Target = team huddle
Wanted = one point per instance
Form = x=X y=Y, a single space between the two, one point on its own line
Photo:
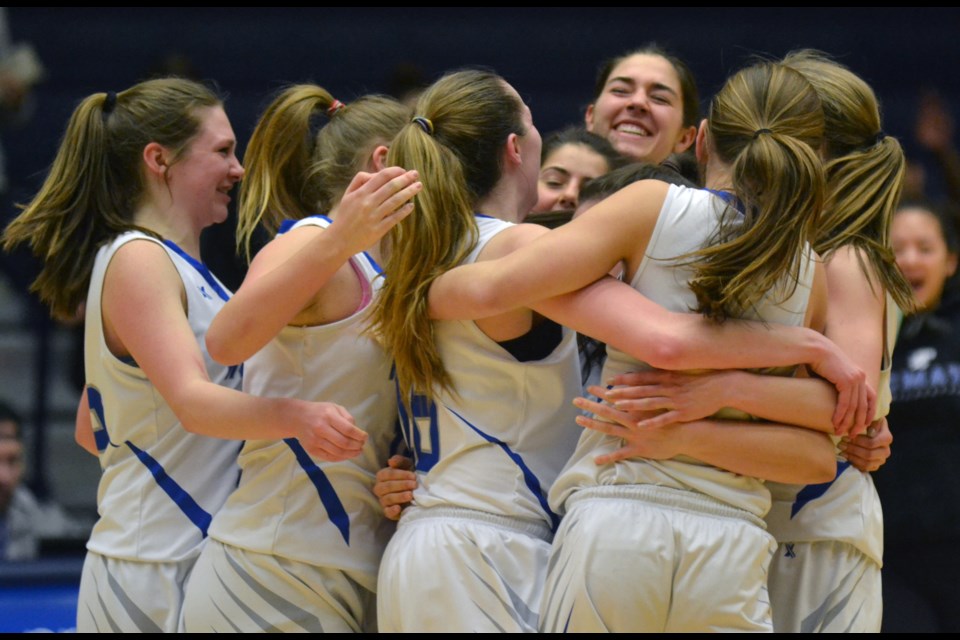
x=392 y=425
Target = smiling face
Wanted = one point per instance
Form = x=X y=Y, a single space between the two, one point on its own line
x=201 y=180
x=922 y=254
x=562 y=175
x=640 y=109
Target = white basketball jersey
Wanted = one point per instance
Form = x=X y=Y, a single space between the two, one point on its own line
x=688 y=219
x=496 y=443
x=161 y=485
x=290 y=504
x=846 y=509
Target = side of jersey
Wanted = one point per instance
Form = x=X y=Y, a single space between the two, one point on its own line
x=289 y=504
x=688 y=219
x=846 y=509
x=497 y=443
x=161 y=485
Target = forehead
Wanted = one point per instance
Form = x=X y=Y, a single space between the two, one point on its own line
x=576 y=158
x=917 y=221
x=644 y=69
x=214 y=124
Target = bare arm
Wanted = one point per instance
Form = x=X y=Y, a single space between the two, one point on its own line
x=83 y=432
x=288 y=273
x=804 y=402
x=550 y=272
x=775 y=452
x=164 y=347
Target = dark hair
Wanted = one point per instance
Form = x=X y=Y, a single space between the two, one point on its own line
x=948 y=227
x=580 y=136
x=688 y=84
x=610 y=183
x=8 y=414
x=551 y=219
x=942 y=213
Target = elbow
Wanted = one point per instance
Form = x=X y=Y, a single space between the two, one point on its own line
x=667 y=352
x=222 y=351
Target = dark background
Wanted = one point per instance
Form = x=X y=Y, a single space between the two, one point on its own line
x=550 y=55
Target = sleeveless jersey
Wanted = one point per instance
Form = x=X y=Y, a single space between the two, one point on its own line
x=846 y=509
x=289 y=504
x=497 y=442
x=688 y=219
x=160 y=485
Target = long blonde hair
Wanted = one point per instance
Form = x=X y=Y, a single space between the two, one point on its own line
x=765 y=123
x=864 y=167
x=456 y=145
x=292 y=172
x=96 y=182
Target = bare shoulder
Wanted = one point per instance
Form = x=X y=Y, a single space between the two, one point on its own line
x=512 y=239
x=282 y=247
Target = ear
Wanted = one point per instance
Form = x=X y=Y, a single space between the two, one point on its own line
x=512 y=150
x=155 y=157
x=687 y=137
x=588 y=118
x=701 y=148
x=378 y=159
x=951 y=264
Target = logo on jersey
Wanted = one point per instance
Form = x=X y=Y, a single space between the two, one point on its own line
x=920 y=359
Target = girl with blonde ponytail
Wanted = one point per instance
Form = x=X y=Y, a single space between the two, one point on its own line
x=297 y=545
x=486 y=402
x=139 y=174
x=738 y=249
x=825 y=575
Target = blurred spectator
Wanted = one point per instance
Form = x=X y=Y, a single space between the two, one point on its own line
x=25 y=523
x=20 y=71
x=919 y=487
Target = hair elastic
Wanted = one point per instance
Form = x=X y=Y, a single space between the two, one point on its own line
x=334 y=107
x=109 y=103
x=879 y=137
x=424 y=124
x=756 y=134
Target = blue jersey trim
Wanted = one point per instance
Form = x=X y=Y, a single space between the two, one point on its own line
x=201 y=269
x=95 y=403
x=531 y=480
x=813 y=491
x=328 y=495
x=200 y=518
x=287 y=224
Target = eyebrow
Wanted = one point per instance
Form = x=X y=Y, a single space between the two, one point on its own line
x=657 y=86
x=557 y=169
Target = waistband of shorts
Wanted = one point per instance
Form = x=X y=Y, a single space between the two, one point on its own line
x=535 y=529
x=667 y=497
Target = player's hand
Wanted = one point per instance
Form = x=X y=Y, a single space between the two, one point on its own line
x=394 y=486
x=671 y=396
x=373 y=203
x=328 y=432
x=654 y=444
x=870 y=451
